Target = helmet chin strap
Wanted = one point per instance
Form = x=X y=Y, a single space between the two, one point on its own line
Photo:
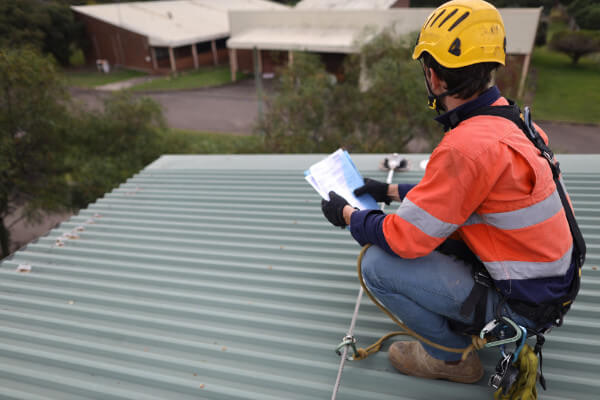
x=435 y=101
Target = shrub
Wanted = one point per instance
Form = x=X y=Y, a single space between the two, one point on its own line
x=576 y=43
x=380 y=106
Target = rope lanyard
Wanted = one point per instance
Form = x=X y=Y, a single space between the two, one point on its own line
x=477 y=342
x=361 y=353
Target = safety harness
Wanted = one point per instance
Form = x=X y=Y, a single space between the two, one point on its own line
x=543 y=315
x=516 y=373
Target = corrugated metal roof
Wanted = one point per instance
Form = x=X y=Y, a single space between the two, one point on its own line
x=174 y=23
x=339 y=31
x=346 y=4
x=217 y=277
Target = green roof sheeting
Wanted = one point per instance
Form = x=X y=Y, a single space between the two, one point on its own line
x=216 y=277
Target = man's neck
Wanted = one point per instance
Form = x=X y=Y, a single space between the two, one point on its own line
x=452 y=102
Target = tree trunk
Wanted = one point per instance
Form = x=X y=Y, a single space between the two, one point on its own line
x=4 y=239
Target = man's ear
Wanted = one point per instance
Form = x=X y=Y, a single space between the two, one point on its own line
x=437 y=85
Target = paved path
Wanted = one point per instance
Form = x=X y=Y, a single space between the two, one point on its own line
x=572 y=138
x=233 y=109
x=228 y=109
x=126 y=84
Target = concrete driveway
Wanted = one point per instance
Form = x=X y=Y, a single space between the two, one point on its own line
x=572 y=138
x=229 y=109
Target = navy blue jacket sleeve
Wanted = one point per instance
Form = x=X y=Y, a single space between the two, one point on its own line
x=366 y=226
x=404 y=188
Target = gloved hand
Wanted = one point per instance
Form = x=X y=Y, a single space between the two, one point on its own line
x=376 y=189
x=333 y=209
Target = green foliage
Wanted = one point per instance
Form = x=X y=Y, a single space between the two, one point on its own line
x=112 y=144
x=33 y=126
x=179 y=141
x=311 y=112
x=586 y=13
x=47 y=25
x=55 y=157
x=576 y=43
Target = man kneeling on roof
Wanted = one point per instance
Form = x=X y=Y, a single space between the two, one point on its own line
x=485 y=185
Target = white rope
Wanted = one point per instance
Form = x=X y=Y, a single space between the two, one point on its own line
x=338 y=379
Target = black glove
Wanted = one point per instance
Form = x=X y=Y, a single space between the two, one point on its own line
x=376 y=189
x=333 y=209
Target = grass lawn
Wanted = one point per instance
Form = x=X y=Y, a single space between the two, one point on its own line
x=179 y=141
x=566 y=92
x=203 y=77
x=90 y=78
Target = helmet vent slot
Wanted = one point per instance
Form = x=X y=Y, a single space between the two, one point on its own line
x=459 y=20
x=448 y=17
x=455 y=47
x=436 y=18
x=429 y=20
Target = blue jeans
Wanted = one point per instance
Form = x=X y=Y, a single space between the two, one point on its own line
x=425 y=293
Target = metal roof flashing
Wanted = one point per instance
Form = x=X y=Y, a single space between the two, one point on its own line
x=217 y=277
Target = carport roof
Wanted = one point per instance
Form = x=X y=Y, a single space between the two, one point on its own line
x=217 y=277
x=341 y=31
x=174 y=23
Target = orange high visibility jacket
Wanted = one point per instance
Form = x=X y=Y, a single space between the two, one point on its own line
x=487 y=183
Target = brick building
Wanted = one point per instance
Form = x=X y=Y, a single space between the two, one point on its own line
x=162 y=36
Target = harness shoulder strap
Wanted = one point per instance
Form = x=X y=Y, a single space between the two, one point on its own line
x=524 y=122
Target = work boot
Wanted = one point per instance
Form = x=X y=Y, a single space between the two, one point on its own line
x=410 y=358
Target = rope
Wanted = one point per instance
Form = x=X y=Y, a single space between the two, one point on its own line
x=338 y=379
x=524 y=388
x=477 y=342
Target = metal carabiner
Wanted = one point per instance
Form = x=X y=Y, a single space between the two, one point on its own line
x=347 y=341
x=492 y=325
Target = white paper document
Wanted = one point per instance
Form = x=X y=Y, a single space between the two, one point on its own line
x=338 y=173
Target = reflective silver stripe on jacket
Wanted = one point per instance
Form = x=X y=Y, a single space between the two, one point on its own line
x=504 y=270
x=426 y=222
x=521 y=218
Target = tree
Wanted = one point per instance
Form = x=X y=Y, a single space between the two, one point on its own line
x=109 y=145
x=586 y=13
x=54 y=157
x=576 y=43
x=379 y=106
x=33 y=126
x=46 y=25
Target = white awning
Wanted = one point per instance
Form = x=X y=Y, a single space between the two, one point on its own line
x=174 y=23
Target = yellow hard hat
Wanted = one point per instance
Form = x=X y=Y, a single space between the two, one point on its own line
x=463 y=32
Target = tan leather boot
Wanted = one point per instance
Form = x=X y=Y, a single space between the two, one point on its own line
x=410 y=358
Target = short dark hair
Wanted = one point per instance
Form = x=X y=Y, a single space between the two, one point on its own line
x=470 y=80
